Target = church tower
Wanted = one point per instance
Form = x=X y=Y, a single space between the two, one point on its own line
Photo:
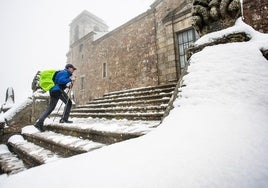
x=85 y=23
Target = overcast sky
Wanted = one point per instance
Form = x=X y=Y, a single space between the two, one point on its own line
x=34 y=35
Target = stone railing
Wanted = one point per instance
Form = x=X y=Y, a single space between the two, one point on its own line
x=19 y=116
x=234 y=37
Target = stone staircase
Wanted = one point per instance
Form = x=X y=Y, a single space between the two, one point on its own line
x=148 y=103
x=115 y=117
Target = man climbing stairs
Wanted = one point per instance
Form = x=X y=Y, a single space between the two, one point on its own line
x=115 y=117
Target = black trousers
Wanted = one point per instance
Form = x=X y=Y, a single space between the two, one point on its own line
x=54 y=98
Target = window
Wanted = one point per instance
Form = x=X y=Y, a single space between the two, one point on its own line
x=81 y=47
x=82 y=79
x=76 y=33
x=185 y=39
x=104 y=70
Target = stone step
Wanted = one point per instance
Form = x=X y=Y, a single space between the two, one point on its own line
x=104 y=131
x=126 y=115
x=141 y=89
x=31 y=154
x=64 y=140
x=137 y=93
x=9 y=162
x=130 y=109
x=115 y=117
x=148 y=103
x=61 y=144
x=142 y=103
x=132 y=98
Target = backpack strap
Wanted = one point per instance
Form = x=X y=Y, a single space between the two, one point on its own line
x=54 y=76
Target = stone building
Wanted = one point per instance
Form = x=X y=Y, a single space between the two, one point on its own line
x=148 y=50
x=83 y=24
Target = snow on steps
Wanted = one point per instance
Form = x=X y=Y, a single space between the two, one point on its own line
x=141 y=89
x=64 y=145
x=9 y=162
x=142 y=103
x=27 y=155
x=64 y=140
x=106 y=134
x=133 y=109
x=155 y=95
x=31 y=154
x=147 y=103
x=129 y=114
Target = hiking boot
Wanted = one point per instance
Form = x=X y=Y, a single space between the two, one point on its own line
x=65 y=121
x=39 y=126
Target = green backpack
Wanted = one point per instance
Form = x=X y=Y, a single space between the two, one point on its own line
x=46 y=79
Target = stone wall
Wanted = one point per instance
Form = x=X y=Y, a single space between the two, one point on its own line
x=256 y=14
x=142 y=52
x=22 y=116
x=85 y=23
x=129 y=55
x=171 y=16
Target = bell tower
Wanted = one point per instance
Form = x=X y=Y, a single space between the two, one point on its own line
x=85 y=23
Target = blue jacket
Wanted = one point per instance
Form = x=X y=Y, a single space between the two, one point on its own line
x=61 y=79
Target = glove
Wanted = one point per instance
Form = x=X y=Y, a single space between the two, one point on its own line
x=69 y=85
x=73 y=78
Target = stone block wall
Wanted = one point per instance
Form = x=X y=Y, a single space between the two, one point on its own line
x=255 y=13
x=171 y=17
x=83 y=24
x=142 y=52
x=128 y=53
x=26 y=115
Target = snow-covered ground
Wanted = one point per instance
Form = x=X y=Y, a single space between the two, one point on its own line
x=216 y=136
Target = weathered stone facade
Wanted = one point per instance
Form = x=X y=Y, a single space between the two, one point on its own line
x=145 y=51
x=85 y=23
x=137 y=54
x=122 y=59
x=256 y=14
x=24 y=115
x=170 y=17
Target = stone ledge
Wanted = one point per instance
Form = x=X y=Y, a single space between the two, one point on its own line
x=55 y=147
x=94 y=135
x=29 y=160
x=235 y=37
